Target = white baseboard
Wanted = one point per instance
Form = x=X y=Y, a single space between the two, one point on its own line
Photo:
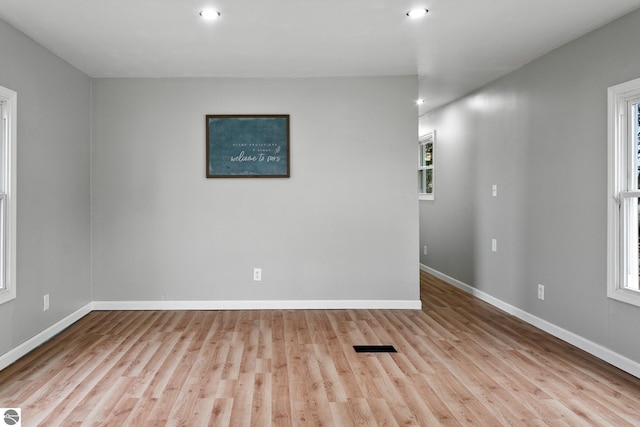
x=44 y=336
x=609 y=356
x=260 y=305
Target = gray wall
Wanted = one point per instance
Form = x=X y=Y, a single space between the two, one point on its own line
x=343 y=227
x=53 y=187
x=540 y=135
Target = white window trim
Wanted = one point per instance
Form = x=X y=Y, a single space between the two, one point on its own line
x=429 y=137
x=10 y=100
x=618 y=134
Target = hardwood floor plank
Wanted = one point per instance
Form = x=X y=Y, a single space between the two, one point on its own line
x=221 y=412
x=361 y=412
x=231 y=367
x=382 y=413
x=300 y=399
x=251 y=335
x=341 y=414
x=104 y=406
x=460 y=361
x=318 y=403
x=332 y=382
x=226 y=389
x=365 y=376
x=338 y=353
x=399 y=392
x=73 y=368
x=436 y=405
x=264 y=337
x=241 y=410
x=281 y=395
x=201 y=414
x=261 y=402
x=409 y=345
x=94 y=373
x=162 y=371
x=139 y=416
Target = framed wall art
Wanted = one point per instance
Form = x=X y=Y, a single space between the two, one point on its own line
x=248 y=146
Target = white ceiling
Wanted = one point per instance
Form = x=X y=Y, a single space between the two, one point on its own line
x=459 y=46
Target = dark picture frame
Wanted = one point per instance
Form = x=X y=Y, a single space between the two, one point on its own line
x=247 y=146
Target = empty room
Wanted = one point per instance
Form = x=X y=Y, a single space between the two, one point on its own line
x=336 y=213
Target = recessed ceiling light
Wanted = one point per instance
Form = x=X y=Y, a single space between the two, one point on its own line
x=417 y=13
x=420 y=102
x=209 y=14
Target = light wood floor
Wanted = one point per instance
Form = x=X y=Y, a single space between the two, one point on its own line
x=459 y=362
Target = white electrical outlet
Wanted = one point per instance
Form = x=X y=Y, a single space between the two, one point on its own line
x=257 y=274
x=494 y=245
x=424 y=250
x=494 y=191
x=541 y=292
x=45 y=302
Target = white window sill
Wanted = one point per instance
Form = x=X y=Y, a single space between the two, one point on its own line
x=625 y=295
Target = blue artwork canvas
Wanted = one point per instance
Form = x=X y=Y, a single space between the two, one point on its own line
x=248 y=146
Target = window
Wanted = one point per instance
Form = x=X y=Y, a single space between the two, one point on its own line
x=425 y=166
x=623 y=192
x=8 y=129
